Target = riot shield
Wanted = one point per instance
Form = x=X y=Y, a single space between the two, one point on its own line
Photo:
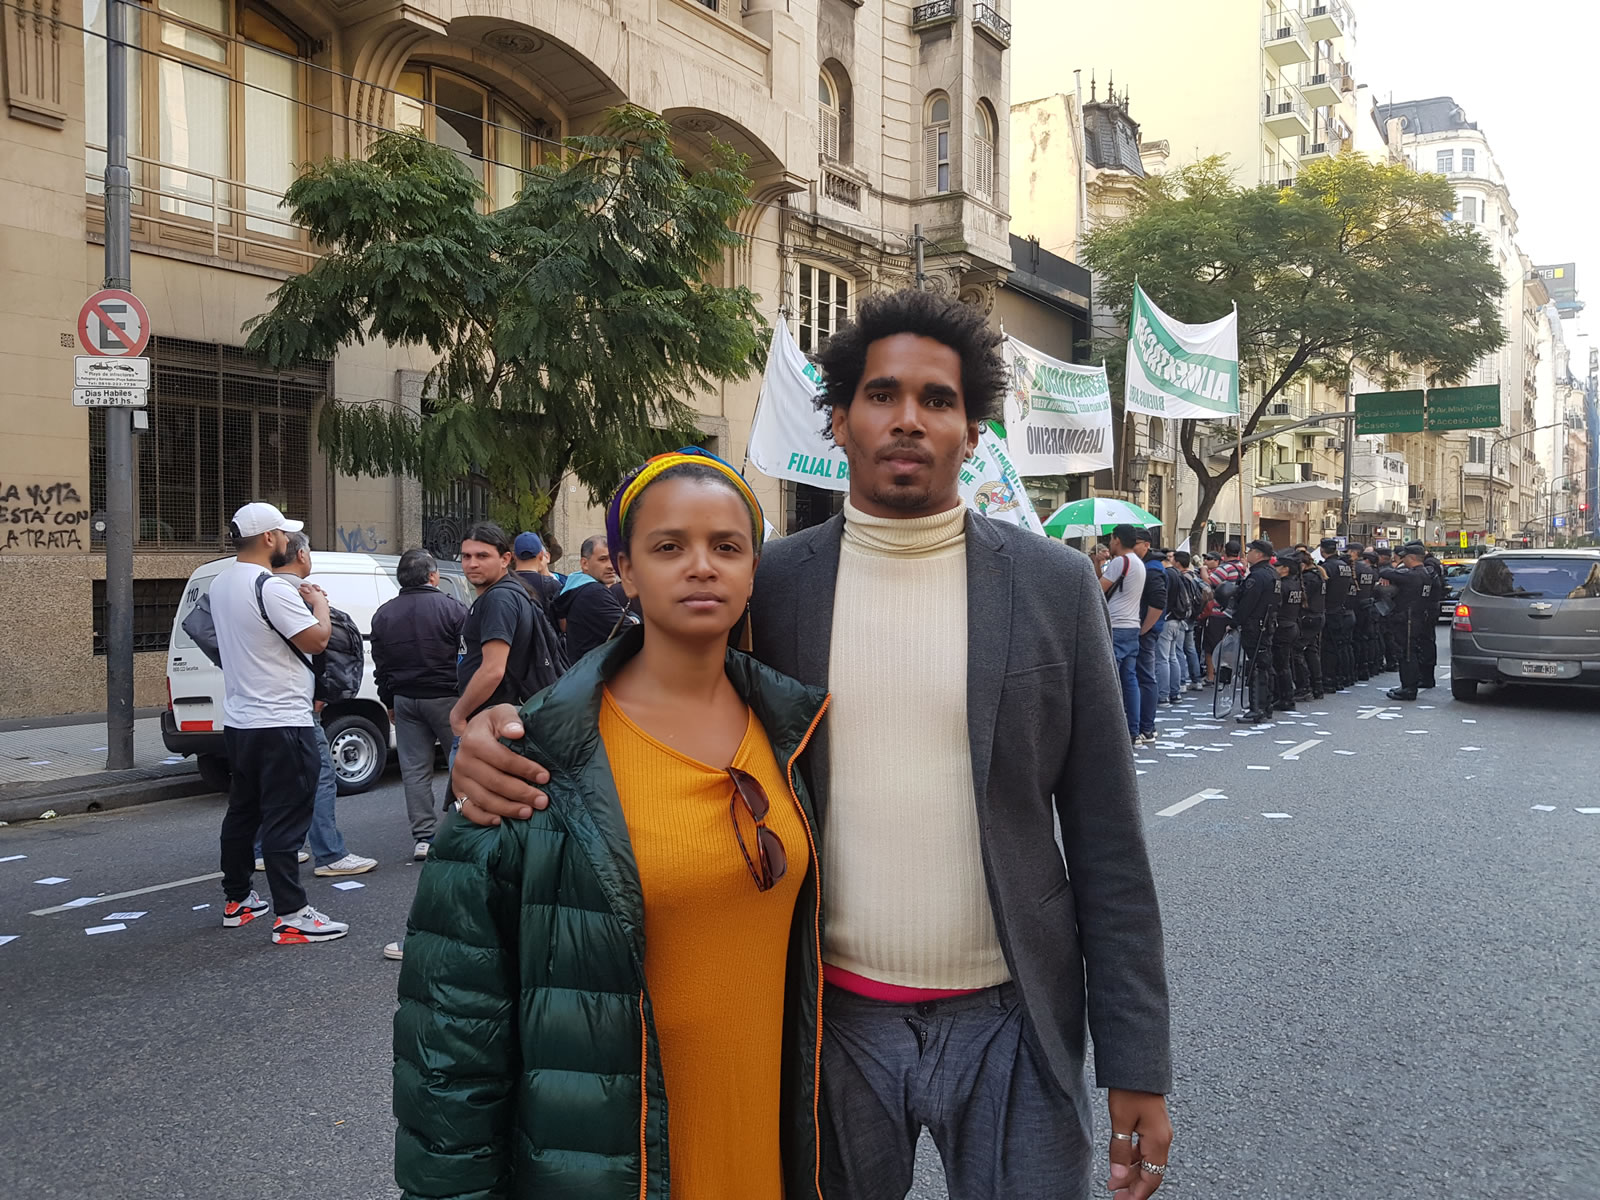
x=1231 y=683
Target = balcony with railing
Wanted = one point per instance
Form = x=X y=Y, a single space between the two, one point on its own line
x=1328 y=19
x=1284 y=37
x=1333 y=139
x=1285 y=112
x=989 y=23
x=933 y=14
x=180 y=208
x=1285 y=410
x=1325 y=84
x=840 y=185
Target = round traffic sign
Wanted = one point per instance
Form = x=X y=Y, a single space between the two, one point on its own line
x=114 y=324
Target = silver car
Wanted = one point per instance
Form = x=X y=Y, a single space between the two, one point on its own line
x=1527 y=616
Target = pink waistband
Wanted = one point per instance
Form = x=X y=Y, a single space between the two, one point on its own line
x=888 y=993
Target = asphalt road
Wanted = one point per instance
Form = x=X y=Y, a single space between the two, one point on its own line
x=1392 y=990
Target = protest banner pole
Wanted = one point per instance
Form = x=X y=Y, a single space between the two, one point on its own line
x=1243 y=529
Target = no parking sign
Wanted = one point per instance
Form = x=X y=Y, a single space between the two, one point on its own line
x=114 y=324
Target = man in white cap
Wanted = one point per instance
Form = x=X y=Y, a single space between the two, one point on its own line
x=267 y=632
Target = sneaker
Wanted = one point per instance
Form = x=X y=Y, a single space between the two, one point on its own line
x=350 y=864
x=241 y=912
x=305 y=856
x=306 y=926
x=1147 y=739
x=395 y=951
x=420 y=853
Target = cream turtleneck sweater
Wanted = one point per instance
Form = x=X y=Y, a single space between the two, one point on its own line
x=905 y=901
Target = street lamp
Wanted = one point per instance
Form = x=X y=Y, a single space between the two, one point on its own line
x=1550 y=503
x=1489 y=464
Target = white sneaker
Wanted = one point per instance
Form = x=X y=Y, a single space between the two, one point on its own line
x=241 y=912
x=350 y=864
x=395 y=951
x=420 y=854
x=305 y=856
x=306 y=926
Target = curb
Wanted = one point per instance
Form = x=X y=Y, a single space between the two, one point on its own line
x=92 y=794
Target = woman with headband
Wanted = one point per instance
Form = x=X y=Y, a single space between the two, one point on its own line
x=621 y=996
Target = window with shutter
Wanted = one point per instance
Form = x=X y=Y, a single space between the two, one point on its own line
x=930 y=159
x=936 y=145
x=983 y=167
x=827 y=117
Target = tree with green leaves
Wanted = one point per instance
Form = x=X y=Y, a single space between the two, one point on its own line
x=570 y=327
x=1355 y=264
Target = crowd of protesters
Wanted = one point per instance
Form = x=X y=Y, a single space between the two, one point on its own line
x=1309 y=622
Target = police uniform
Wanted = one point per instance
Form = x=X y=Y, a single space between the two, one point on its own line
x=1313 y=622
x=1286 y=636
x=1363 y=595
x=1255 y=617
x=1430 y=645
x=1391 y=613
x=1338 y=635
x=1415 y=607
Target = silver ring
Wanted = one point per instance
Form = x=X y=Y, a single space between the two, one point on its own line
x=1153 y=1168
x=1122 y=1137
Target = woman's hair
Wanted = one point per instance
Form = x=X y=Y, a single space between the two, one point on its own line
x=686 y=470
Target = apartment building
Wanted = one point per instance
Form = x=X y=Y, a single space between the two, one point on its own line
x=860 y=123
x=1485 y=483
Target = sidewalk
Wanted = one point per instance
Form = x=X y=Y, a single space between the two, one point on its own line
x=59 y=764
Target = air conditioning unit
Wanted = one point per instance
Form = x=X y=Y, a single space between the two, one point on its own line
x=1330 y=523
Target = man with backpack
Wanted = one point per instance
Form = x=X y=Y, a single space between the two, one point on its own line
x=266 y=629
x=339 y=670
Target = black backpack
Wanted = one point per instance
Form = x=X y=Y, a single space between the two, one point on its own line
x=339 y=669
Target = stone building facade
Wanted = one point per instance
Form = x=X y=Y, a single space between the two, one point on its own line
x=229 y=95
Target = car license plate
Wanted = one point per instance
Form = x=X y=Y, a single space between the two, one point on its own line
x=1541 y=668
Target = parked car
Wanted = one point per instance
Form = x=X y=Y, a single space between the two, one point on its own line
x=1527 y=616
x=359 y=733
x=1456 y=573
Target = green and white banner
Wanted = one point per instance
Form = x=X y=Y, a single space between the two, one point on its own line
x=1181 y=371
x=1058 y=415
x=786 y=438
x=991 y=485
x=787 y=442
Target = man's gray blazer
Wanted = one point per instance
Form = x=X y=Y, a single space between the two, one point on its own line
x=1049 y=740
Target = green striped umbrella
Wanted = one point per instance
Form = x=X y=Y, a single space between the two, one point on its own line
x=1097 y=515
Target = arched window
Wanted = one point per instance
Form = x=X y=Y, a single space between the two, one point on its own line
x=936 y=144
x=828 y=116
x=217 y=105
x=984 y=142
x=493 y=140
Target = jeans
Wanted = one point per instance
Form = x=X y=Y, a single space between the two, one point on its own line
x=1125 y=646
x=327 y=843
x=968 y=1069
x=418 y=725
x=1169 y=663
x=274 y=782
x=1149 y=687
x=1191 y=652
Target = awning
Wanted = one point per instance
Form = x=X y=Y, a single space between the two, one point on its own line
x=1303 y=492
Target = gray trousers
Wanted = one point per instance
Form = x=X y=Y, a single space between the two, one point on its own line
x=418 y=724
x=969 y=1070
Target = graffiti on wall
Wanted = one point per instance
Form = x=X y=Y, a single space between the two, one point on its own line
x=42 y=516
x=361 y=539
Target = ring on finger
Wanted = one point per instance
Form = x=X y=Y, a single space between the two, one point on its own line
x=1122 y=1137
x=1156 y=1169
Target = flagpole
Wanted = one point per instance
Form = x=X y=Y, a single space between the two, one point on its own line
x=1238 y=402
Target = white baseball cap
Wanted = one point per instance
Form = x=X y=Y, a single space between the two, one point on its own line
x=259 y=517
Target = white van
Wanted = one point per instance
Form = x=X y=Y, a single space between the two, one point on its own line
x=358 y=729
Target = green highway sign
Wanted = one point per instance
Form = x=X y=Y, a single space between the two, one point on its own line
x=1464 y=408
x=1391 y=412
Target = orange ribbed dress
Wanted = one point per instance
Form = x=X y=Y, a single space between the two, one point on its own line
x=715 y=953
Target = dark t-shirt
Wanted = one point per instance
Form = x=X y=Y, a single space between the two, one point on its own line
x=543 y=588
x=503 y=613
x=591 y=612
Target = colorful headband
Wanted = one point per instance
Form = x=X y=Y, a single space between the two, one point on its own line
x=643 y=476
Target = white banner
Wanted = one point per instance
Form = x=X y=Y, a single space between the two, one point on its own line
x=991 y=485
x=1180 y=371
x=786 y=438
x=1058 y=415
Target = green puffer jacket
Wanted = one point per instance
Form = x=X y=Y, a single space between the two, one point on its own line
x=525 y=1054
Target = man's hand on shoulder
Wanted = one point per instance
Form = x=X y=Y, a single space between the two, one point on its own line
x=492 y=781
x=1141 y=1132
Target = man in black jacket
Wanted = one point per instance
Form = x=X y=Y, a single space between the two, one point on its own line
x=1313 y=621
x=1286 y=634
x=1338 y=646
x=1256 y=618
x=588 y=613
x=1430 y=644
x=1369 y=652
x=414 y=641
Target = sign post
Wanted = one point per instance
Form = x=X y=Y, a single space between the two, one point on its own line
x=114 y=337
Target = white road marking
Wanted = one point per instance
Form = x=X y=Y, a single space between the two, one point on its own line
x=1469 y=749
x=12 y=857
x=160 y=887
x=51 y=880
x=1544 y=808
x=349 y=885
x=127 y=916
x=1324 y=733
x=8 y=937
x=117 y=928
x=1469 y=720
x=1295 y=752
x=1254 y=767
x=1277 y=816
x=1186 y=805
x=1344 y=751
x=1369 y=711
x=1589 y=811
